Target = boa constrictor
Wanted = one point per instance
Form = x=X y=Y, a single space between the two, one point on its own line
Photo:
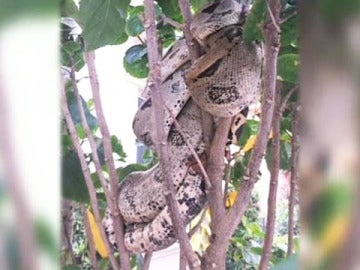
x=223 y=81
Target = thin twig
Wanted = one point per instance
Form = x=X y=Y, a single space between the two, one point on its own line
x=170 y=21
x=192 y=150
x=294 y=177
x=193 y=45
x=87 y=175
x=272 y=44
x=109 y=160
x=287 y=97
x=274 y=178
x=194 y=229
x=154 y=81
x=89 y=135
x=147 y=260
x=275 y=23
x=90 y=237
x=140 y=39
x=287 y=17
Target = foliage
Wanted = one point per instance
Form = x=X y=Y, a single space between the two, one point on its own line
x=94 y=24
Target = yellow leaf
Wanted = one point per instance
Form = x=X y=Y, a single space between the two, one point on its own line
x=98 y=240
x=231 y=198
x=251 y=141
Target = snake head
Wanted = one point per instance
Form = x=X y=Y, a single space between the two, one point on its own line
x=217 y=15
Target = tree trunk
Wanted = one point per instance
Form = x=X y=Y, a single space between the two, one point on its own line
x=215 y=257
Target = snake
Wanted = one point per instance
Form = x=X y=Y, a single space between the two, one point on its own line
x=223 y=81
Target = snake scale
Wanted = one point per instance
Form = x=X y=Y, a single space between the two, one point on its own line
x=223 y=81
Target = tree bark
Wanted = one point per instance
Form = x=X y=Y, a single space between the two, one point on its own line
x=215 y=257
x=154 y=81
x=294 y=177
x=274 y=177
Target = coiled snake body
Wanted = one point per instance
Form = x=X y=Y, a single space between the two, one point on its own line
x=223 y=81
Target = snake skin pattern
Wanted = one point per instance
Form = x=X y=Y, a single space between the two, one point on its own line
x=223 y=81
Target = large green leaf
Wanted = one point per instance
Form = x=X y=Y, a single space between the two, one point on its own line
x=103 y=21
x=167 y=35
x=290 y=31
x=69 y=9
x=134 y=26
x=170 y=8
x=288 y=67
x=136 y=61
x=252 y=27
x=73 y=184
x=72 y=54
x=285 y=155
x=74 y=111
x=118 y=148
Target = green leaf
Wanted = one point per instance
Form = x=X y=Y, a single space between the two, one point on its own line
x=117 y=147
x=66 y=142
x=74 y=111
x=167 y=35
x=73 y=184
x=103 y=21
x=170 y=8
x=136 y=61
x=291 y=263
x=121 y=39
x=252 y=27
x=124 y=171
x=73 y=49
x=198 y=4
x=134 y=26
x=69 y=9
x=290 y=31
x=288 y=66
x=285 y=155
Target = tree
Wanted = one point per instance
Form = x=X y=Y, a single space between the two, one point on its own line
x=110 y=22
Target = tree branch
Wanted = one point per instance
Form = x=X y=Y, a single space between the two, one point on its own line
x=87 y=174
x=272 y=45
x=108 y=152
x=294 y=176
x=193 y=45
x=147 y=260
x=198 y=224
x=89 y=135
x=195 y=52
x=274 y=177
x=287 y=97
x=154 y=81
